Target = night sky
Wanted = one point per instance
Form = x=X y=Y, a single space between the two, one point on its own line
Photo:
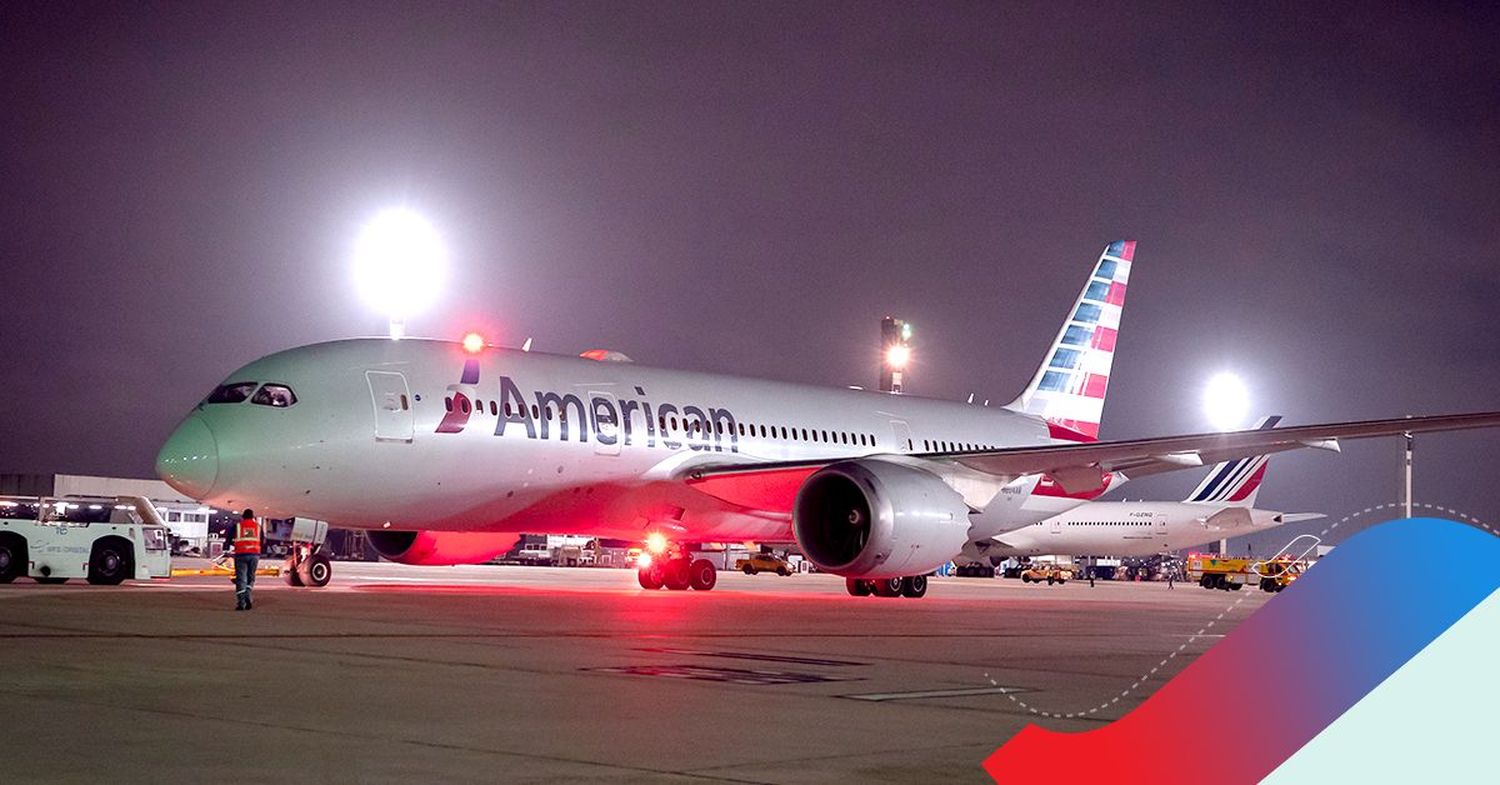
x=750 y=187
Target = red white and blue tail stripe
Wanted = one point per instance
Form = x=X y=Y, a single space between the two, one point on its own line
x=1235 y=482
x=1068 y=389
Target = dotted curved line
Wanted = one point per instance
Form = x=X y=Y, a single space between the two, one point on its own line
x=1195 y=636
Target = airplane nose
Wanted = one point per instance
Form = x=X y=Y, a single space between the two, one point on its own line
x=189 y=461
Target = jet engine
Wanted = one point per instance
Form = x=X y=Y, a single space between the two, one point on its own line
x=878 y=519
x=430 y=547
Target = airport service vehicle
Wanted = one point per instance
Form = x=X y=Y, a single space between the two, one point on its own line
x=443 y=450
x=1231 y=574
x=104 y=540
x=1222 y=506
x=1050 y=573
x=763 y=562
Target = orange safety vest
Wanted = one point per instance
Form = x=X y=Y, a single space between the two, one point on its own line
x=247 y=536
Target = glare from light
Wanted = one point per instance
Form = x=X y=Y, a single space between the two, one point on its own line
x=473 y=342
x=656 y=542
x=898 y=356
x=399 y=264
x=1226 y=401
x=643 y=561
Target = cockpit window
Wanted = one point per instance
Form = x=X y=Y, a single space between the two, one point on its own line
x=279 y=396
x=234 y=392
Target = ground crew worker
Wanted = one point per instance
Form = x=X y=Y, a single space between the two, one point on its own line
x=245 y=544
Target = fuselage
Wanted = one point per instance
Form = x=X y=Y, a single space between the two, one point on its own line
x=420 y=434
x=1132 y=529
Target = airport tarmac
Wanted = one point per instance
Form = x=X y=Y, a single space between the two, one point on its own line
x=527 y=674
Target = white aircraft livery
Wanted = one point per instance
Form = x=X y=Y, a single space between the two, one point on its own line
x=443 y=450
x=1222 y=506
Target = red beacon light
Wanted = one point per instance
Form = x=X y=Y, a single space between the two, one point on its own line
x=473 y=343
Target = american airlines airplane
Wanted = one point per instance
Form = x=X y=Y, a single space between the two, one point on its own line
x=1222 y=506
x=443 y=450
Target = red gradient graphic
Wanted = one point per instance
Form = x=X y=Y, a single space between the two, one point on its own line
x=1284 y=674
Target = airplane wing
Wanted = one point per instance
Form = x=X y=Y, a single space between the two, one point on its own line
x=774 y=485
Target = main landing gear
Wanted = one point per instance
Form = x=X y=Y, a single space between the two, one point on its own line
x=676 y=571
x=911 y=586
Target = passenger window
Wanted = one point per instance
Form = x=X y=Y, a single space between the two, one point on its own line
x=494 y=410
x=447 y=404
x=405 y=404
x=234 y=392
x=536 y=413
x=463 y=405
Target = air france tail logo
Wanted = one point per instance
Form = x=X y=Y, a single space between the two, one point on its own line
x=602 y=418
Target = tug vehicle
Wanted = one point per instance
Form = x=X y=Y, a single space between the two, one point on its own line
x=102 y=539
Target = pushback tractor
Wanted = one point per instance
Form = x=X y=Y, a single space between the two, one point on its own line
x=102 y=539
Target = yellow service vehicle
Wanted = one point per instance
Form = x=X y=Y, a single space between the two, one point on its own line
x=1231 y=574
x=1051 y=573
x=763 y=562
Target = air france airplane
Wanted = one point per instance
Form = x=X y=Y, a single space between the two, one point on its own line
x=1222 y=506
x=443 y=450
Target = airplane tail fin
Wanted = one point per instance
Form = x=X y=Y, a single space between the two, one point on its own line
x=1235 y=483
x=1068 y=389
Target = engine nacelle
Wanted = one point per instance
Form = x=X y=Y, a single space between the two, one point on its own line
x=430 y=547
x=878 y=519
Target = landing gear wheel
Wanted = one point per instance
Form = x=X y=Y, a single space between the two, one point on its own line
x=315 y=571
x=649 y=577
x=914 y=587
x=109 y=564
x=888 y=587
x=857 y=587
x=675 y=575
x=702 y=576
x=12 y=559
x=291 y=573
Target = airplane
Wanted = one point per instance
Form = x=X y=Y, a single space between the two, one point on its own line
x=1222 y=506
x=881 y=489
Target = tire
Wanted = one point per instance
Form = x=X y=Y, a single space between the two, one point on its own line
x=1236 y=586
x=749 y=570
x=888 y=587
x=316 y=571
x=1050 y=581
x=648 y=578
x=702 y=576
x=52 y=581
x=783 y=572
x=675 y=575
x=110 y=563
x=1025 y=578
x=12 y=558
x=914 y=587
x=857 y=587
